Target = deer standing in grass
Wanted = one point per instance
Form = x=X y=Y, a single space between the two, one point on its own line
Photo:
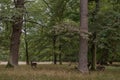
x=100 y=68
x=33 y=64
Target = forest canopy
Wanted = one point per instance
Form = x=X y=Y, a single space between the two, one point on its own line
x=49 y=30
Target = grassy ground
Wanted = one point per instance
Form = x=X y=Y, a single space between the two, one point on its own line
x=56 y=72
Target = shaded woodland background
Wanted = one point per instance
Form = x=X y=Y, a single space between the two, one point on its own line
x=50 y=30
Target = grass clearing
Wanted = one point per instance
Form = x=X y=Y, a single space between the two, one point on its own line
x=56 y=72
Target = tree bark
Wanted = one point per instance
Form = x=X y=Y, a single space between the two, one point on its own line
x=26 y=47
x=60 y=55
x=93 y=51
x=16 y=33
x=82 y=66
x=94 y=48
x=54 y=49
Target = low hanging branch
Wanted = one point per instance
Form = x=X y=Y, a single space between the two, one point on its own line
x=70 y=28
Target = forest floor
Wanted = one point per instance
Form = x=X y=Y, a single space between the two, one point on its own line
x=56 y=72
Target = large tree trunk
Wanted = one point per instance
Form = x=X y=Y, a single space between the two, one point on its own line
x=16 y=33
x=82 y=66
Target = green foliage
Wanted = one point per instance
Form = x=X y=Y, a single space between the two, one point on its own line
x=107 y=25
x=45 y=19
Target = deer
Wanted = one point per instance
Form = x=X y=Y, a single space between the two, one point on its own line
x=100 y=68
x=33 y=64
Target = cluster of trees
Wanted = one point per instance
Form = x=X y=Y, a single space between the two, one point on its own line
x=49 y=30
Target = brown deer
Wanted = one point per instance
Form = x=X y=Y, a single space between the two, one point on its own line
x=33 y=64
x=100 y=68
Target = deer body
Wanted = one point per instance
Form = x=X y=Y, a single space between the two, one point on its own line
x=33 y=64
x=100 y=68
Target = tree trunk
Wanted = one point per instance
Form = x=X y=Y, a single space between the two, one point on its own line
x=55 y=58
x=82 y=66
x=60 y=58
x=26 y=47
x=60 y=55
x=94 y=48
x=54 y=48
x=16 y=33
x=93 y=51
